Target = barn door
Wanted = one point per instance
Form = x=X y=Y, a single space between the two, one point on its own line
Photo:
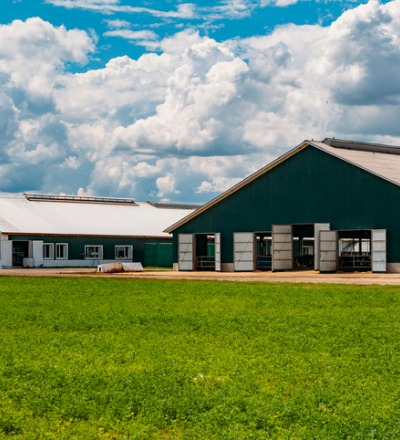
x=185 y=252
x=217 y=243
x=243 y=251
x=378 y=251
x=6 y=253
x=318 y=227
x=282 y=247
x=37 y=253
x=328 y=251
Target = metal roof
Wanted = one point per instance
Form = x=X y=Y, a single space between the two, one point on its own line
x=19 y=215
x=381 y=160
x=378 y=159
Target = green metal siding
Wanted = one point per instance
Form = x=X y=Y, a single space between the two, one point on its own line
x=309 y=187
x=76 y=244
x=158 y=254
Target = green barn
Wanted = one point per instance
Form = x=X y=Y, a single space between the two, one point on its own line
x=331 y=206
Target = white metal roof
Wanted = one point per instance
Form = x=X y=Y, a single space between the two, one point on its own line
x=385 y=165
x=138 y=219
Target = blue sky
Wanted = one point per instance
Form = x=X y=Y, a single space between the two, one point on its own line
x=178 y=100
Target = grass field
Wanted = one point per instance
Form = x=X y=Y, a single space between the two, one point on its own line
x=139 y=359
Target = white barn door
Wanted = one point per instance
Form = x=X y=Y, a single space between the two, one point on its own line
x=378 y=251
x=217 y=244
x=317 y=228
x=243 y=251
x=328 y=250
x=282 y=247
x=37 y=253
x=185 y=252
x=6 y=253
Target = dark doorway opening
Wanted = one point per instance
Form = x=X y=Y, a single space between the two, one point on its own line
x=303 y=246
x=355 y=250
x=205 y=251
x=20 y=250
x=263 y=250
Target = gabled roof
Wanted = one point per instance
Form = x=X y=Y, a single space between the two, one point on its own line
x=378 y=159
x=33 y=214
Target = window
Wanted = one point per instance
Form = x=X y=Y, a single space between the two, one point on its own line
x=48 y=251
x=93 y=252
x=61 y=251
x=123 y=252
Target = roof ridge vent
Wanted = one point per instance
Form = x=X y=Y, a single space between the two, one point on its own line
x=34 y=197
x=362 y=146
x=167 y=205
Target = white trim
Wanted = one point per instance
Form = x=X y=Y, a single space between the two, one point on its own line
x=51 y=253
x=94 y=254
x=64 y=246
x=127 y=255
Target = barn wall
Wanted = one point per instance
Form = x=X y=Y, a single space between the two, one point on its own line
x=76 y=245
x=310 y=187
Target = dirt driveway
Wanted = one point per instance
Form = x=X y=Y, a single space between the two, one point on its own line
x=308 y=276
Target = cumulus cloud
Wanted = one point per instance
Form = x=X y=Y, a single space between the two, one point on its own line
x=189 y=121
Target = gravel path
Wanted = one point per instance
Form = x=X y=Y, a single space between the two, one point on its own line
x=308 y=276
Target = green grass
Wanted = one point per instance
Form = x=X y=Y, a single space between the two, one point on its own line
x=96 y=358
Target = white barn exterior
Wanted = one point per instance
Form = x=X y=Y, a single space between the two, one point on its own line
x=71 y=231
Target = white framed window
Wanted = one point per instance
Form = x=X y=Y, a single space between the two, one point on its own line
x=48 y=251
x=123 y=252
x=61 y=251
x=93 y=252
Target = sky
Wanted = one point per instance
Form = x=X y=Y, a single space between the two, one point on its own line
x=176 y=101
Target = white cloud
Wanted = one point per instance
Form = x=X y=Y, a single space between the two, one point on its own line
x=279 y=3
x=132 y=35
x=33 y=53
x=183 y=11
x=189 y=122
x=232 y=9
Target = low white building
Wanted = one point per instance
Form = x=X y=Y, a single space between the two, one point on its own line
x=38 y=230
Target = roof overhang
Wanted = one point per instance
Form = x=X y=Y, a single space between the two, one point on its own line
x=99 y=236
